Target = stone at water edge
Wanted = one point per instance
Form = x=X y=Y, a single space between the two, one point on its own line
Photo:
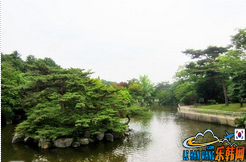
x=28 y=139
x=44 y=144
x=128 y=129
x=91 y=140
x=83 y=141
x=109 y=137
x=17 y=138
x=127 y=133
x=100 y=136
x=76 y=144
x=118 y=135
x=63 y=142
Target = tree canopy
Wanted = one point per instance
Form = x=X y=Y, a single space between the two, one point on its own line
x=58 y=102
x=214 y=71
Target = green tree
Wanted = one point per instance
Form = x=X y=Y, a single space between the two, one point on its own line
x=209 y=89
x=185 y=92
x=11 y=77
x=163 y=91
x=134 y=87
x=30 y=59
x=234 y=64
x=147 y=87
x=207 y=65
x=66 y=102
x=239 y=39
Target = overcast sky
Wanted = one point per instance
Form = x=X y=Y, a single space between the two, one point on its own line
x=119 y=39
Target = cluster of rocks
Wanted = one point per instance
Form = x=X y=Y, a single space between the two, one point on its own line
x=70 y=142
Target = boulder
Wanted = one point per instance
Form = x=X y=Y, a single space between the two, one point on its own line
x=44 y=144
x=83 y=141
x=117 y=135
x=109 y=137
x=100 y=136
x=127 y=133
x=17 y=138
x=63 y=142
x=91 y=140
x=76 y=144
x=47 y=145
x=127 y=129
x=28 y=139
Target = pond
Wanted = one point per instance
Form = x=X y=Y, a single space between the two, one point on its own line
x=157 y=139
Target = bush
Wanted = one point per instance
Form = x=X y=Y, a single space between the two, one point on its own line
x=140 y=111
x=212 y=102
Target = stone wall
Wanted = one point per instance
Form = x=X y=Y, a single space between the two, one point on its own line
x=226 y=118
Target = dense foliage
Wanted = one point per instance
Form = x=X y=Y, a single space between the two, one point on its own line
x=61 y=102
x=12 y=68
x=217 y=74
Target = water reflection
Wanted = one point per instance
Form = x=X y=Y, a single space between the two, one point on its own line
x=157 y=139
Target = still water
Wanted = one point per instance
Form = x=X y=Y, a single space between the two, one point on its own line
x=158 y=139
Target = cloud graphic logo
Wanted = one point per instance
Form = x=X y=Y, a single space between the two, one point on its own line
x=190 y=142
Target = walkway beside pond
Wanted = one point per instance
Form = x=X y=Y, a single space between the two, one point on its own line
x=212 y=116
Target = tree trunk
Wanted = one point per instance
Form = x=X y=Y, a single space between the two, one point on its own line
x=224 y=90
x=62 y=106
x=128 y=121
x=241 y=102
x=61 y=103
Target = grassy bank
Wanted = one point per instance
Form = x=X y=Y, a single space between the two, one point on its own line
x=235 y=107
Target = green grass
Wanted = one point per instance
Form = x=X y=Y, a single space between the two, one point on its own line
x=235 y=107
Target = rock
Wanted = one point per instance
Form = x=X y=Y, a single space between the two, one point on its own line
x=100 y=136
x=17 y=138
x=63 y=142
x=91 y=140
x=109 y=137
x=44 y=144
x=76 y=144
x=35 y=140
x=28 y=139
x=9 y=122
x=47 y=145
x=87 y=134
x=127 y=129
x=117 y=135
x=83 y=141
x=127 y=133
x=41 y=141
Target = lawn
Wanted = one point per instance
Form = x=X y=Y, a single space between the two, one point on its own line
x=235 y=107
